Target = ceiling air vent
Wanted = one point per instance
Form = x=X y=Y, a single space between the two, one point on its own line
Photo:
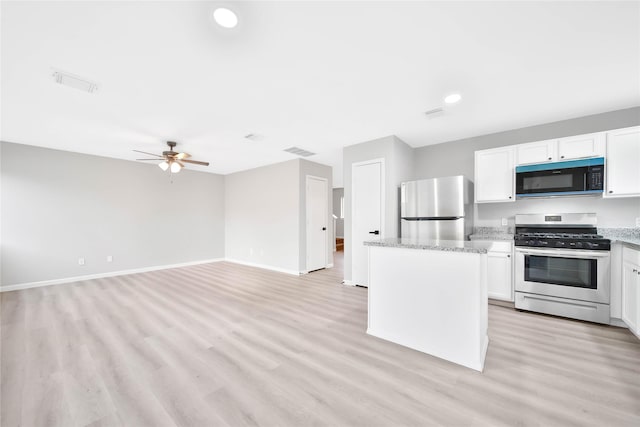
x=436 y=112
x=76 y=82
x=299 y=152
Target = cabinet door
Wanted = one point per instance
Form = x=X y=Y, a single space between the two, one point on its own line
x=581 y=146
x=536 y=152
x=499 y=279
x=631 y=296
x=623 y=158
x=494 y=175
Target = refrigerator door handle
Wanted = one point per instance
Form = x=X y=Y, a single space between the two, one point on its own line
x=376 y=232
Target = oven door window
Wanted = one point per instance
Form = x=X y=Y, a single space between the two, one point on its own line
x=576 y=272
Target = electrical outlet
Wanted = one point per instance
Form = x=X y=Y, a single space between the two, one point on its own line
x=109 y=258
x=504 y=221
x=80 y=261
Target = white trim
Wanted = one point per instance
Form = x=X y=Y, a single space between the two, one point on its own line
x=330 y=265
x=264 y=266
x=348 y=282
x=103 y=275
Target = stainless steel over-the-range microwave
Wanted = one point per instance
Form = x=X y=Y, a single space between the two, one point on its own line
x=570 y=178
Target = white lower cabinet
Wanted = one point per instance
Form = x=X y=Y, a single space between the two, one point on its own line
x=500 y=271
x=631 y=289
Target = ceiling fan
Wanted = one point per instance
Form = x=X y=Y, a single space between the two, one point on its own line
x=172 y=160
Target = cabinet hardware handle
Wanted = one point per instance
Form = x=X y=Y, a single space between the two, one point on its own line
x=610 y=191
x=509 y=196
x=635 y=270
x=549 y=158
x=508 y=256
x=562 y=157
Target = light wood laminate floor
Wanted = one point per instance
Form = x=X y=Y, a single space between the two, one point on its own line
x=224 y=344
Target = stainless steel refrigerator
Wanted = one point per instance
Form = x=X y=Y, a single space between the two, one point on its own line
x=437 y=208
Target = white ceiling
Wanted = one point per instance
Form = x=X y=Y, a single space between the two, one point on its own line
x=316 y=75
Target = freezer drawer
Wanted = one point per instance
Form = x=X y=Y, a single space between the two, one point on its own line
x=453 y=229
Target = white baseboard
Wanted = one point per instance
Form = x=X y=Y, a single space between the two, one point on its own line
x=348 y=282
x=264 y=266
x=618 y=322
x=330 y=265
x=28 y=285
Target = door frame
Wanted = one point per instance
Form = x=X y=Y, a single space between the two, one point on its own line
x=306 y=218
x=383 y=192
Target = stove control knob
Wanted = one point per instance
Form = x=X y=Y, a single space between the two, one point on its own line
x=588 y=245
x=579 y=244
x=561 y=244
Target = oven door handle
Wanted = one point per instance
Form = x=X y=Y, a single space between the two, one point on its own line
x=571 y=253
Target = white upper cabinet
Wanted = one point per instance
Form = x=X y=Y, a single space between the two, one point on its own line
x=559 y=150
x=623 y=163
x=536 y=152
x=582 y=146
x=494 y=176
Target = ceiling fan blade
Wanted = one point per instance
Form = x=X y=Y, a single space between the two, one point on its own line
x=195 y=162
x=155 y=160
x=151 y=154
x=181 y=156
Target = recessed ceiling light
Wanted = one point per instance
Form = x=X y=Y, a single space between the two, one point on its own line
x=225 y=17
x=453 y=98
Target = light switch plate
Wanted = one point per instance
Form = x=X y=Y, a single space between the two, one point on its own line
x=109 y=258
x=80 y=261
x=504 y=221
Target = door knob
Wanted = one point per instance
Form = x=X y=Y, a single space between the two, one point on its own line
x=376 y=232
x=324 y=228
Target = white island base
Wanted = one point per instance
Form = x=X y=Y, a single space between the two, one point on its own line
x=431 y=300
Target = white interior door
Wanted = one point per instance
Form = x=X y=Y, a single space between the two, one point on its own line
x=367 y=195
x=317 y=222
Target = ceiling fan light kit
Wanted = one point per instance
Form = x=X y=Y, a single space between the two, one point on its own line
x=171 y=160
x=175 y=167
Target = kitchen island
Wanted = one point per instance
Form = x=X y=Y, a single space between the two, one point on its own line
x=430 y=295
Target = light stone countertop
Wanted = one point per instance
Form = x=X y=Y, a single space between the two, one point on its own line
x=478 y=247
x=629 y=236
x=494 y=237
x=492 y=233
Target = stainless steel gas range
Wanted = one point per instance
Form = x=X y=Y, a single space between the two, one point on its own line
x=562 y=266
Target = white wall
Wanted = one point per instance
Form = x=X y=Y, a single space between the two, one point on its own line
x=59 y=206
x=262 y=211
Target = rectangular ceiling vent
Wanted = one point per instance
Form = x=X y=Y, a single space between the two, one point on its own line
x=76 y=82
x=299 y=152
x=436 y=112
